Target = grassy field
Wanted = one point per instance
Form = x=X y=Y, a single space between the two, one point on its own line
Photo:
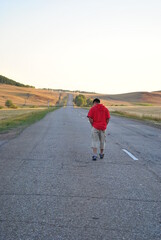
x=11 y=113
x=153 y=111
x=150 y=114
x=11 y=119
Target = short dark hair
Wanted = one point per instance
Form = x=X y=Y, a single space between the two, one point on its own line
x=96 y=100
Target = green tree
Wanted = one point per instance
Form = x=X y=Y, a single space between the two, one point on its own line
x=80 y=100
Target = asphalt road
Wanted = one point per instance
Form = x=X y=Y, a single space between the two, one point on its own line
x=50 y=189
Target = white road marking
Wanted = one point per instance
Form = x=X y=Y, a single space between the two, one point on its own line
x=130 y=154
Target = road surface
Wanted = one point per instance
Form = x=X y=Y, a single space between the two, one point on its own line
x=50 y=189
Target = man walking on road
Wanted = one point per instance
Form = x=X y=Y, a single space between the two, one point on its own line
x=99 y=118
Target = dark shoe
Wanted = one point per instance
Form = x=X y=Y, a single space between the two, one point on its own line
x=101 y=156
x=94 y=158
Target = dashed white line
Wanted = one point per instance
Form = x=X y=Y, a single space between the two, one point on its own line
x=130 y=154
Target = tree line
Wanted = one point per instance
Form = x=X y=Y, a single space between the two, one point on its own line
x=5 y=80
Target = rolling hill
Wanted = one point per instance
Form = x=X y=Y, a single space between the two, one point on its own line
x=25 y=96
x=133 y=98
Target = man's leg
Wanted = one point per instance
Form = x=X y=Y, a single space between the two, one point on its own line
x=101 y=151
x=95 y=141
x=95 y=151
x=102 y=143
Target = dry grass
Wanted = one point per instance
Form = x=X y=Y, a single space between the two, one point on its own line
x=149 y=111
x=151 y=115
x=21 y=96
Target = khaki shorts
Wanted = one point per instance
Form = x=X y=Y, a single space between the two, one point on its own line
x=98 y=138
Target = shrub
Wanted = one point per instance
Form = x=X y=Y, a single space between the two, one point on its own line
x=33 y=106
x=14 y=106
x=10 y=104
x=89 y=102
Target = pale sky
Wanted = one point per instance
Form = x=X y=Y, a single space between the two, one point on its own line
x=105 y=46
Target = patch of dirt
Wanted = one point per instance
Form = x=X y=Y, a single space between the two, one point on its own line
x=10 y=134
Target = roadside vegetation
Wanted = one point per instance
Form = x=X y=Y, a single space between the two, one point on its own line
x=81 y=101
x=21 y=118
x=62 y=101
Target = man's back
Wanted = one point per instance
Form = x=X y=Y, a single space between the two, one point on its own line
x=99 y=113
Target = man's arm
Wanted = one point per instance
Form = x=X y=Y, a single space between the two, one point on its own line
x=90 y=120
x=107 y=120
x=107 y=116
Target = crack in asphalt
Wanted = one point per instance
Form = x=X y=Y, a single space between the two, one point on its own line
x=83 y=197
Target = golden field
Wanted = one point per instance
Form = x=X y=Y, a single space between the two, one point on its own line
x=147 y=111
x=32 y=104
x=22 y=96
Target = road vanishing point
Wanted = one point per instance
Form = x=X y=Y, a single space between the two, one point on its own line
x=50 y=189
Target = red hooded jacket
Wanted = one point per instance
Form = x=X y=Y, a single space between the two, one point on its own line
x=99 y=113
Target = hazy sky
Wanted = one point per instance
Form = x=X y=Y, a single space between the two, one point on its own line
x=106 y=46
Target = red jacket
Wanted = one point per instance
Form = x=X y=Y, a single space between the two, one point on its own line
x=99 y=113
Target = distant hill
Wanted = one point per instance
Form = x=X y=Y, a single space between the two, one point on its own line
x=133 y=98
x=137 y=97
x=5 y=80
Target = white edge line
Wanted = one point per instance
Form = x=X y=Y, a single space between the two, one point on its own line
x=130 y=154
